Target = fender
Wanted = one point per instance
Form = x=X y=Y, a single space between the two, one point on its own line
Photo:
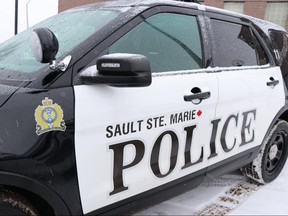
x=23 y=182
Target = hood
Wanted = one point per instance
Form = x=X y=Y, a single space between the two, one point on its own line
x=6 y=92
x=8 y=88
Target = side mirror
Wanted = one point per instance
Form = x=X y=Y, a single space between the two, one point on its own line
x=120 y=70
x=44 y=45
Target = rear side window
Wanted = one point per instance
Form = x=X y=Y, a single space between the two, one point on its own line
x=261 y=54
x=171 y=42
x=281 y=41
x=236 y=45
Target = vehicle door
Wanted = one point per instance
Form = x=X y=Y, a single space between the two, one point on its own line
x=130 y=140
x=251 y=90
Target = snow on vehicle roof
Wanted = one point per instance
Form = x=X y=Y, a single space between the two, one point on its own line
x=132 y=3
x=264 y=25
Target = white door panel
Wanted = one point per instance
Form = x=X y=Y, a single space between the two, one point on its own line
x=251 y=104
x=123 y=136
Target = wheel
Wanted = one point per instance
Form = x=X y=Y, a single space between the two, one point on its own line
x=272 y=156
x=12 y=203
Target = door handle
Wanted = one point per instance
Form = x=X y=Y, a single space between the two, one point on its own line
x=272 y=82
x=200 y=95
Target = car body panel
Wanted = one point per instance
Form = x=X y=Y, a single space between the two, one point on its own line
x=112 y=147
x=138 y=119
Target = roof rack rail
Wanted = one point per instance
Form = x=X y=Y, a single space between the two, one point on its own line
x=195 y=1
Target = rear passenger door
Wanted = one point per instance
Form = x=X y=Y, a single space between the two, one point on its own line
x=250 y=89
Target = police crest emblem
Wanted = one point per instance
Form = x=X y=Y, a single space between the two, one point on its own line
x=49 y=117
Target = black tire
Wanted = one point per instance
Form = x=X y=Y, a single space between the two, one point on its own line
x=12 y=203
x=271 y=157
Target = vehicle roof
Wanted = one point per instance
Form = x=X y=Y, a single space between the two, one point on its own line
x=264 y=25
x=135 y=3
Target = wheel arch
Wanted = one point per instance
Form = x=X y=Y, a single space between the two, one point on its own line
x=262 y=169
x=281 y=115
x=284 y=114
x=34 y=190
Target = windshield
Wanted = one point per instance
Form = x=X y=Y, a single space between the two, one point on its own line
x=71 y=28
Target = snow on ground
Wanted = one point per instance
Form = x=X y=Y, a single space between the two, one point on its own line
x=270 y=199
x=232 y=194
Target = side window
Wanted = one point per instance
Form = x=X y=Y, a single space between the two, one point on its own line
x=170 y=41
x=236 y=45
x=260 y=52
x=281 y=41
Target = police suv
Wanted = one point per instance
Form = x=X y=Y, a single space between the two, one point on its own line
x=109 y=105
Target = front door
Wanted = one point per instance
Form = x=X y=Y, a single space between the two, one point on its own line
x=130 y=140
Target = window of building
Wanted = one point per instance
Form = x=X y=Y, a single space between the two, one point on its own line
x=170 y=41
x=236 y=46
x=234 y=6
x=277 y=12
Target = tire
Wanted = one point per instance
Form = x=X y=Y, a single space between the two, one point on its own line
x=272 y=155
x=12 y=203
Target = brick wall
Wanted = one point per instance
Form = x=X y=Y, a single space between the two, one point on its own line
x=66 y=4
x=254 y=8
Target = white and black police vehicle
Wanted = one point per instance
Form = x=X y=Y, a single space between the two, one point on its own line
x=110 y=105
